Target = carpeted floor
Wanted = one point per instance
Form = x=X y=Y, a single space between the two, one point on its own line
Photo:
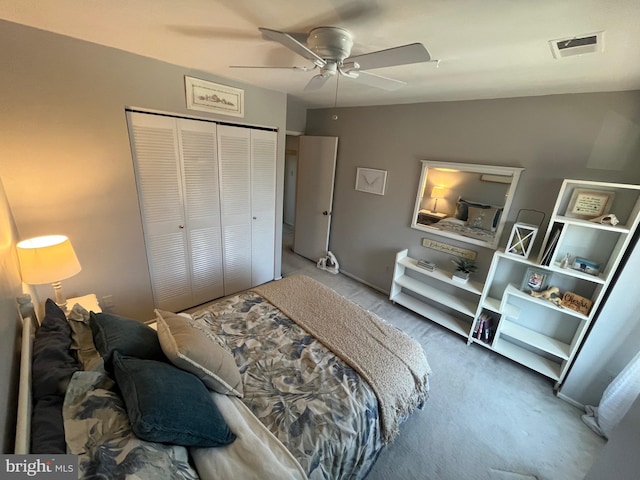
x=487 y=417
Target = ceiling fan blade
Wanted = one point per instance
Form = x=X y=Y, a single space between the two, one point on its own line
x=403 y=55
x=292 y=44
x=302 y=69
x=316 y=82
x=379 y=81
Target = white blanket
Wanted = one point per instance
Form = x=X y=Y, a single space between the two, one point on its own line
x=255 y=454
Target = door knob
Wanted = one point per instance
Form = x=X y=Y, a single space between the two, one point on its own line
x=325 y=213
x=180 y=226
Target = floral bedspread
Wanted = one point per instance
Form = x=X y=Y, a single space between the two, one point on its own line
x=314 y=403
x=97 y=429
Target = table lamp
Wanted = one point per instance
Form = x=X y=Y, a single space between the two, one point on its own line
x=48 y=259
x=437 y=192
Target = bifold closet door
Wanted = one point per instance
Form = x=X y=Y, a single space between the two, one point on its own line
x=177 y=177
x=199 y=154
x=234 y=157
x=263 y=205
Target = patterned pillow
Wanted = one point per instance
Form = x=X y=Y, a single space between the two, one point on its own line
x=462 y=212
x=168 y=405
x=484 y=218
x=191 y=349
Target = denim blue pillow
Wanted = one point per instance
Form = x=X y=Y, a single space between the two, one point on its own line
x=168 y=405
x=129 y=337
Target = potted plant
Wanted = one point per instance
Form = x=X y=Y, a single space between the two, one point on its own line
x=464 y=268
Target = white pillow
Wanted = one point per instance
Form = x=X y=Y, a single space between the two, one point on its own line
x=191 y=349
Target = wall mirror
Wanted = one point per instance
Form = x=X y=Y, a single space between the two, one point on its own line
x=464 y=201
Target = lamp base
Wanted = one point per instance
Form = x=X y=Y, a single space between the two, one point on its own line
x=60 y=299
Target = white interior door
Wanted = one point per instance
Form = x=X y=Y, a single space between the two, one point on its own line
x=314 y=195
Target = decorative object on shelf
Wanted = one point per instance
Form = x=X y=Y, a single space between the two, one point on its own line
x=213 y=97
x=523 y=235
x=371 y=180
x=609 y=219
x=464 y=268
x=436 y=193
x=535 y=280
x=551 y=294
x=586 y=266
x=576 y=302
x=587 y=204
x=451 y=249
x=48 y=259
x=427 y=265
x=566 y=260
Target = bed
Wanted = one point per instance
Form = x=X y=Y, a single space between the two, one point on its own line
x=287 y=380
x=471 y=219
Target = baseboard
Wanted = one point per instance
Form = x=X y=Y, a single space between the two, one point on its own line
x=570 y=400
x=358 y=279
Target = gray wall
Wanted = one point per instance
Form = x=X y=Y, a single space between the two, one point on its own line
x=552 y=137
x=296 y=116
x=66 y=160
x=10 y=327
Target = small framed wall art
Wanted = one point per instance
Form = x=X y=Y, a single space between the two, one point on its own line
x=213 y=97
x=587 y=204
x=371 y=180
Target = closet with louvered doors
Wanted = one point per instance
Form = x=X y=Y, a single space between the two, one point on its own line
x=196 y=184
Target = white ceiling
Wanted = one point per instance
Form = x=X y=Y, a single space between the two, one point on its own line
x=487 y=49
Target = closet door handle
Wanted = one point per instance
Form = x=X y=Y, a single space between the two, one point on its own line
x=180 y=226
x=255 y=218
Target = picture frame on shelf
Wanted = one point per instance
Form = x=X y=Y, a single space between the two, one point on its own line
x=535 y=280
x=371 y=180
x=586 y=204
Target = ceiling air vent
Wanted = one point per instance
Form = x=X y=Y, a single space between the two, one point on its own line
x=571 y=46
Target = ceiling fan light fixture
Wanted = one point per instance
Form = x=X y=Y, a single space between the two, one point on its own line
x=330 y=43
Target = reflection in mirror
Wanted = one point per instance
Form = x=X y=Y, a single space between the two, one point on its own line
x=465 y=201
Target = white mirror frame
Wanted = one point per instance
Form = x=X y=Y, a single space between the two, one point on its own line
x=500 y=172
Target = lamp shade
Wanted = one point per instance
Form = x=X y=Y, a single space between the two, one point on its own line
x=47 y=259
x=437 y=192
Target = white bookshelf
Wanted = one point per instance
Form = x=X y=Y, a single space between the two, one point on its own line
x=423 y=293
x=534 y=332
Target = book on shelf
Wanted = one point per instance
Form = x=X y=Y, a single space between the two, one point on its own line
x=485 y=328
x=551 y=244
x=427 y=265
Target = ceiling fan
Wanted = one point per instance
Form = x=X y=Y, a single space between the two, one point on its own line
x=329 y=49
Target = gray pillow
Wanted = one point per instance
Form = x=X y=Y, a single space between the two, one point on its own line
x=192 y=349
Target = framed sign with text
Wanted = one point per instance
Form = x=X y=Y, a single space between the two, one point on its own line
x=450 y=249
